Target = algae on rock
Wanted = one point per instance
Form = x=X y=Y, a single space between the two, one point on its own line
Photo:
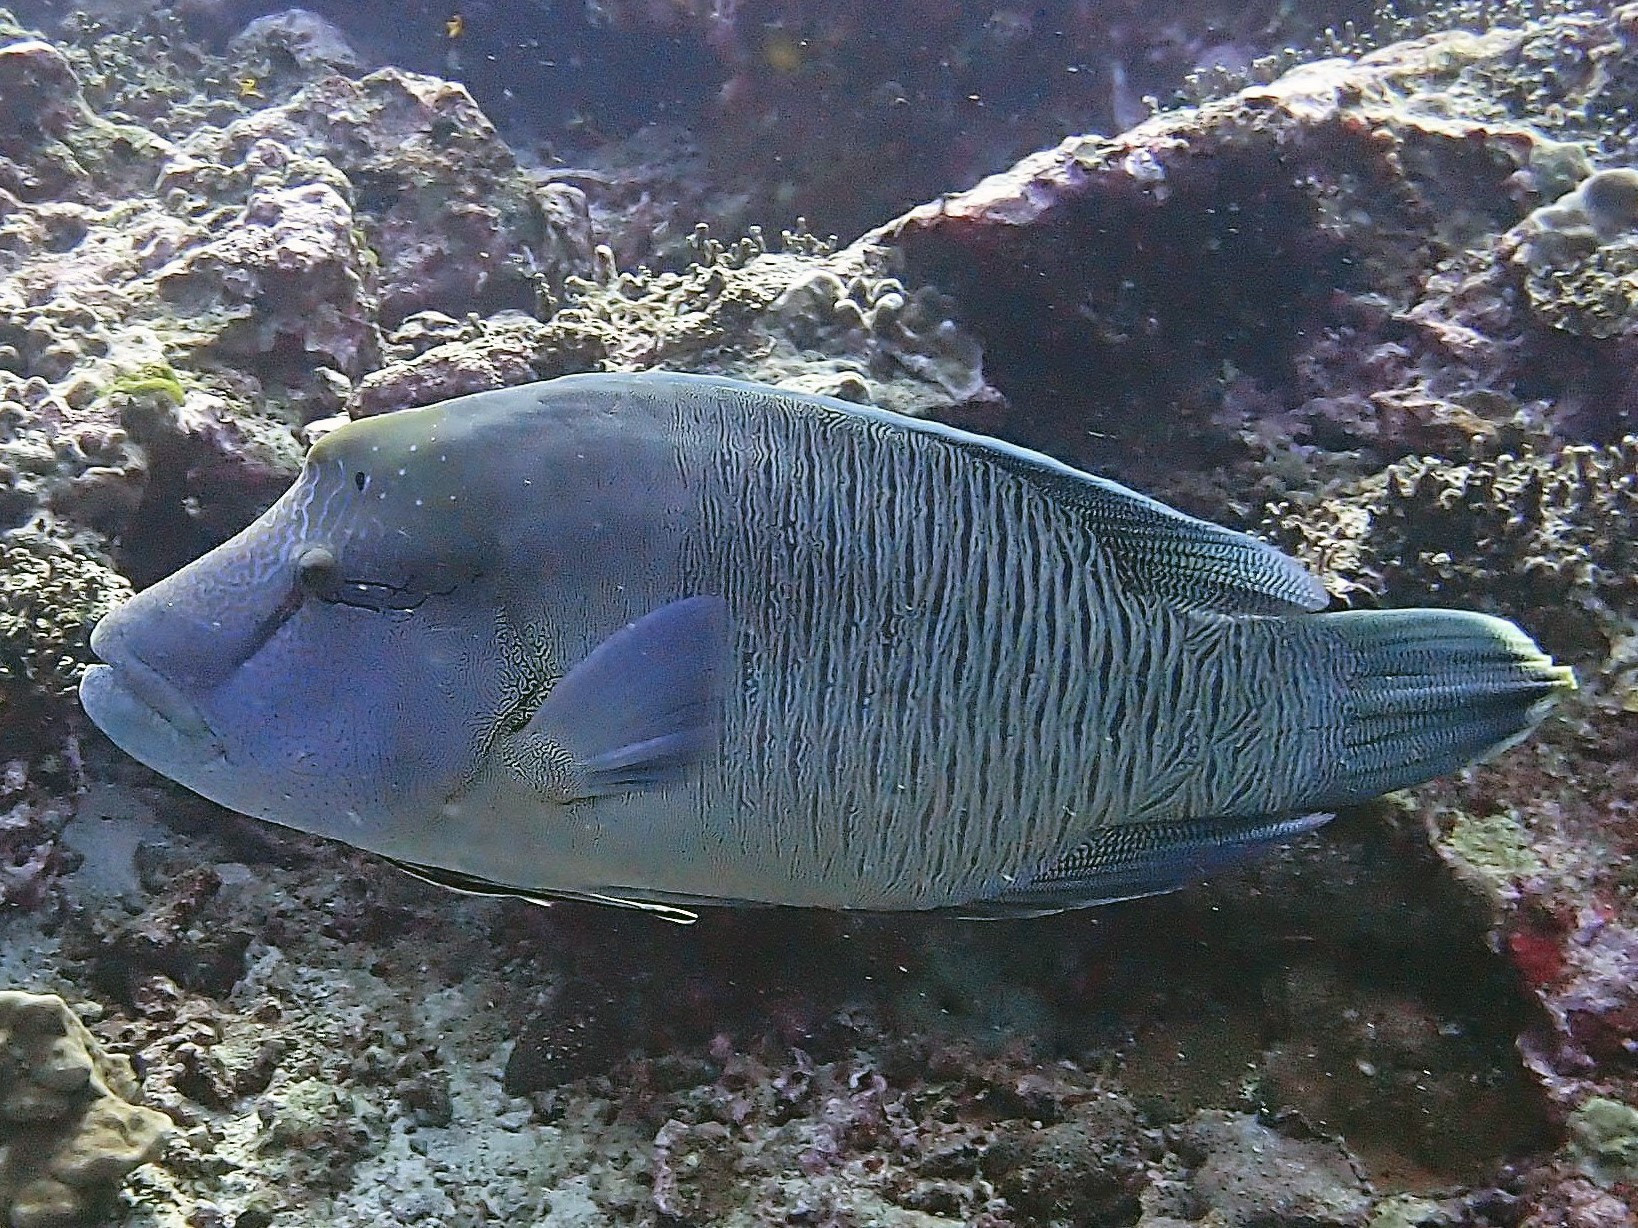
x=1495 y=847
x=152 y=379
x=1604 y=1133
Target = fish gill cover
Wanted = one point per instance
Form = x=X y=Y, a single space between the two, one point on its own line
x=1378 y=309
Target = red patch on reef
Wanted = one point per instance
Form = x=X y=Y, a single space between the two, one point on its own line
x=1537 y=953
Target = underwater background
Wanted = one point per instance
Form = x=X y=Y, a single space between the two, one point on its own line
x=1363 y=282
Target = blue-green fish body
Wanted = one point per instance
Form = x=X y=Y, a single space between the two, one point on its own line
x=669 y=639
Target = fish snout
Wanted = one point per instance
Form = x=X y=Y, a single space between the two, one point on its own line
x=142 y=682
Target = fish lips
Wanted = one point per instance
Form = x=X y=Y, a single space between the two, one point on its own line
x=145 y=713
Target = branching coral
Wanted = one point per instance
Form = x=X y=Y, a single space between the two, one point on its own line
x=894 y=330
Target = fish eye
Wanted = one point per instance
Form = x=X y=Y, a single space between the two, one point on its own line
x=318 y=572
x=359 y=480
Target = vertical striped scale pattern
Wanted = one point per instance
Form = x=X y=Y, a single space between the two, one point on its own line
x=947 y=686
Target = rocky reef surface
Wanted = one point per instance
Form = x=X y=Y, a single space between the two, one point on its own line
x=846 y=111
x=1382 y=308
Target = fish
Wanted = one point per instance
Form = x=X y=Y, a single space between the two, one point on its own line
x=670 y=641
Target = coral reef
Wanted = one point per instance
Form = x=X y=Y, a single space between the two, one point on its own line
x=39 y=99
x=845 y=112
x=445 y=217
x=292 y=47
x=1322 y=269
x=52 y=596
x=749 y=1069
x=280 y=240
x=285 y=272
x=1531 y=534
x=35 y=812
x=55 y=146
x=1546 y=838
x=1380 y=305
x=70 y=1129
x=800 y=316
x=1580 y=254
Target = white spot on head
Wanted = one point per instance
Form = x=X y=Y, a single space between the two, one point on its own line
x=375 y=447
x=401 y=472
x=415 y=447
x=418 y=503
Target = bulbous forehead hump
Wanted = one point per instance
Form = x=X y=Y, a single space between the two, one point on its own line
x=466 y=431
x=434 y=457
x=399 y=438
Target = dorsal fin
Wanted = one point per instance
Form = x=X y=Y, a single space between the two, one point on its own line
x=1156 y=549
x=1169 y=554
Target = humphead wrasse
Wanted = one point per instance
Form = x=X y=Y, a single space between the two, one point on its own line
x=671 y=640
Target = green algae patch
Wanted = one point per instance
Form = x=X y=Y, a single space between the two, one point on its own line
x=1497 y=846
x=1604 y=1136
x=154 y=379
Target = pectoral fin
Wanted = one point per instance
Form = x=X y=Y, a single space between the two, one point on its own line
x=640 y=711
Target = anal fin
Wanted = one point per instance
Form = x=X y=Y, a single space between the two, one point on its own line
x=1127 y=861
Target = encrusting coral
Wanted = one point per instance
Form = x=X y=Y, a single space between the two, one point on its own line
x=1580 y=256
x=68 y=1122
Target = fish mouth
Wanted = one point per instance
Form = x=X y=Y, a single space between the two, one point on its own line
x=162 y=698
x=126 y=675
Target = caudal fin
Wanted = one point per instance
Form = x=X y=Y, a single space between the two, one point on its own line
x=1434 y=690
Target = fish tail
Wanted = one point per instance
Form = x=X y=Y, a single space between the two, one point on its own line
x=1433 y=690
